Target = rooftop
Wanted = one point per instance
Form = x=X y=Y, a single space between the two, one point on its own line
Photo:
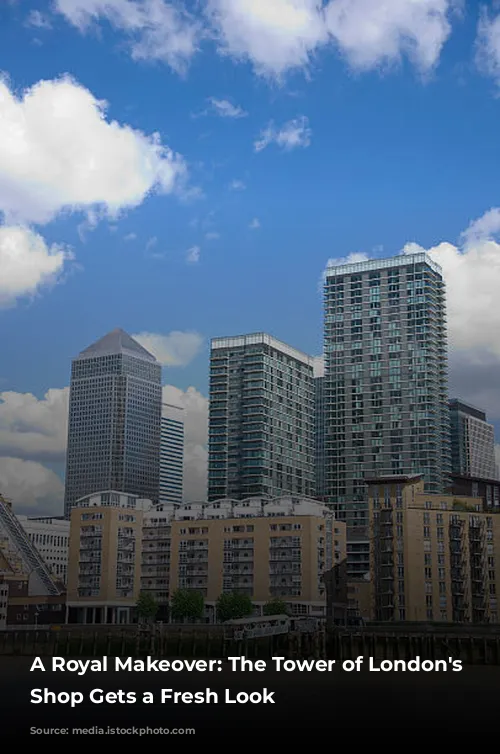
x=401 y=260
x=240 y=341
x=116 y=342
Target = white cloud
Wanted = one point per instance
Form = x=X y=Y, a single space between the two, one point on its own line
x=151 y=244
x=27 y=264
x=193 y=255
x=34 y=428
x=237 y=185
x=212 y=236
x=130 y=237
x=319 y=366
x=195 y=413
x=32 y=488
x=371 y=34
x=38 y=20
x=177 y=349
x=225 y=109
x=488 y=44
x=255 y=224
x=294 y=134
x=58 y=152
x=276 y=36
x=157 y=30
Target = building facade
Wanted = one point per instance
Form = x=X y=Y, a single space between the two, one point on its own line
x=278 y=548
x=4 y=598
x=472 y=442
x=434 y=557
x=51 y=538
x=319 y=435
x=171 y=455
x=114 y=420
x=105 y=554
x=261 y=421
x=386 y=397
x=487 y=490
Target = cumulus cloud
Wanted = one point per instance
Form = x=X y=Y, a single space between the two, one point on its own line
x=193 y=255
x=32 y=488
x=237 y=185
x=34 y=428
x=195 y=416
x=255 y=224
x=276 y=36
x=59 y=152
x=177 y=349
x=294 y=134
x=156 y=30
x=27 y=264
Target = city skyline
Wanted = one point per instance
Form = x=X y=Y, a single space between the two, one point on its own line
x=186 y=194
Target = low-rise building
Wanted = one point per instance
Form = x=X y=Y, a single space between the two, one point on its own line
x=262 y=547
x=433 y=557
x=51 y=538
x=104 y=566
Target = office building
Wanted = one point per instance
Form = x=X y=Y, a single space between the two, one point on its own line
x=171 y=455
x=434 y=557
x=472 y=442
x=386 y=398
x=105 y=554
x=261 y=421
x=264 y=548
x=114 y=420
x=51 y=538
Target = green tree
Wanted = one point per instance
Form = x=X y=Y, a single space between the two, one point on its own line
x=231 y=606
x=147 y=607
x=275 y=607
x=186 y=604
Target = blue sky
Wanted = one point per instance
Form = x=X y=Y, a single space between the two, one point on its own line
x=376 y=130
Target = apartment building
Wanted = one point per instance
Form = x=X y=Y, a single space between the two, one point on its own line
x=261 y=421
x=51 y=538
x=434 y=557
x=155 y=563
x=385 y=387
x=267 y=549
x=104 y=565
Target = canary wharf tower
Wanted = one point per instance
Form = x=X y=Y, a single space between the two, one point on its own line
x=114 y=420
x=386 y=391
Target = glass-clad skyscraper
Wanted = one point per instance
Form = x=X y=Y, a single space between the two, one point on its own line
x=114 y=420
x=171 y=455
x=386 y=393
x=261 y=421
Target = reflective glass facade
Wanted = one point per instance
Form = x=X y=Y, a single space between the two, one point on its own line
x=114 y=420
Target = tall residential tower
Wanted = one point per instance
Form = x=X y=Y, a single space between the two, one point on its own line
x=114 y=420
x=261 y=423
x=386 y=397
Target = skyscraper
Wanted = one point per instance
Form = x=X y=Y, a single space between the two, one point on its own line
x=261 y=421
x=171 y=455
x=386 y=404
x=319 y=432
x=114 y=420
x=472 y=442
